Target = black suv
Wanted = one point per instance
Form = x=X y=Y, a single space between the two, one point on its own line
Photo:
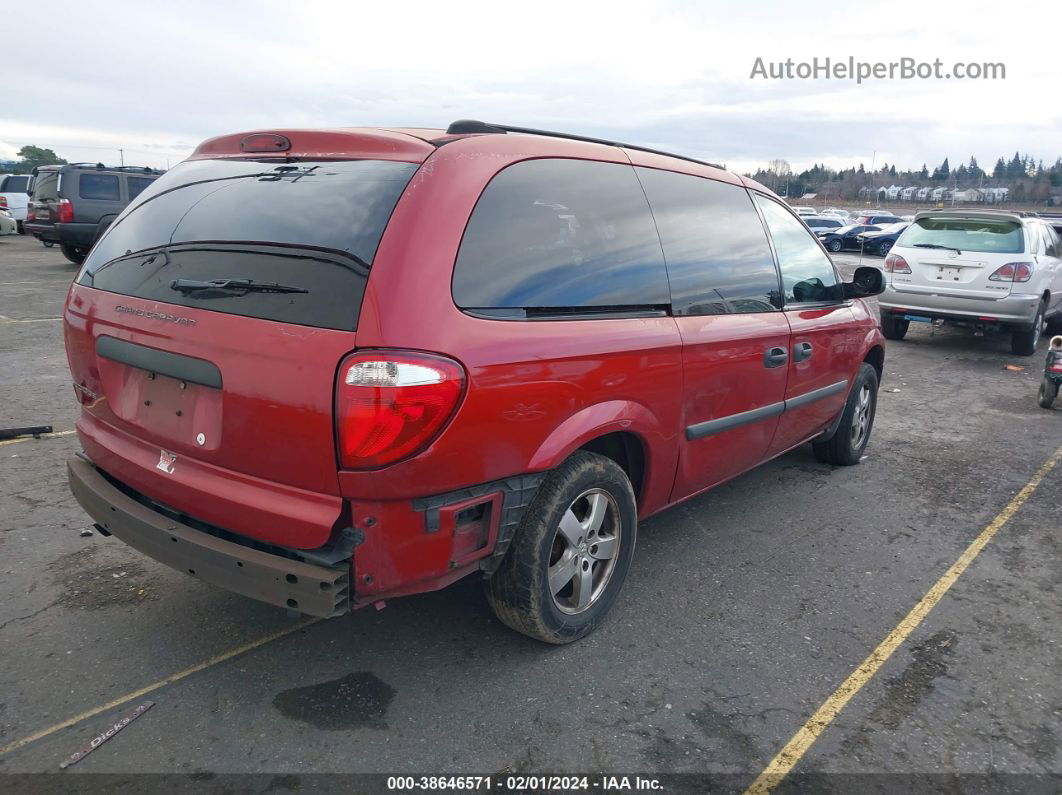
x=72 y=204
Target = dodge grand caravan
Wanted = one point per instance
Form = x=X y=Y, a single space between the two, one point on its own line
x=327 y=368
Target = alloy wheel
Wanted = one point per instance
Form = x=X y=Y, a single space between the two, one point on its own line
x=585 y=548
x=861 y=418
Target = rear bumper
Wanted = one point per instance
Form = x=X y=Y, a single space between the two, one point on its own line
x=311 y=589
x=1011 y=310
x=75 y=235
x=46 y=232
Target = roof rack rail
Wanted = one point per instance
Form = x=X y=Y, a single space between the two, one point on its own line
x=104 y=167
x=472 y=126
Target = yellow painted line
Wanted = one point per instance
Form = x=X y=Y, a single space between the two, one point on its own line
x=169 y=680
x=32 y=439
x=798 y=745
x=5 y=319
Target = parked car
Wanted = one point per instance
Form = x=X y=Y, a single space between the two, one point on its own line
x=847 y=237
x=836 y=212
x=13 y=196
x=982 y=269
x=804 y=211
x=821 y=225
x=327 y=368
x=1054 y=220
x=878 y=218
x=8 y=225
x=881 y=241
x=72 y=204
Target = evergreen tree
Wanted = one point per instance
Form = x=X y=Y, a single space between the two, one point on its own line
x=1015 y=168
x=1000 y=171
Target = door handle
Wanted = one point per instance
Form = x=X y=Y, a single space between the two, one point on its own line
x=775 y=357
x=802 y=351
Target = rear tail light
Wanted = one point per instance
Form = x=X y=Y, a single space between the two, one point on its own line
x=1013 y=272
x=66 y=211
x=31 y=214
x=392 y=404
x=894 y=263
x=3 y=202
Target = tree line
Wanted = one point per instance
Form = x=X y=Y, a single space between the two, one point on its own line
x=1027 y=178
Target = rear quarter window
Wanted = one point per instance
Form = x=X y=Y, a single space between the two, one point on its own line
x=14 y=184
x=555 y=236
x=99 y=186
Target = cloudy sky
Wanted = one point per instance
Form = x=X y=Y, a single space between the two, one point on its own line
x=155 y=78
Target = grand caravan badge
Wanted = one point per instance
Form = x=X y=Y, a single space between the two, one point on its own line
x=152 y=315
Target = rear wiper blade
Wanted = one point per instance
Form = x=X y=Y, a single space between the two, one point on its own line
x=240 y=285
x=936 y=245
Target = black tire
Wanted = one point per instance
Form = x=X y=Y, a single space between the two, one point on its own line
x=1054 y=323
x=883 y=248
x=1048 y=393
x=72 y=253
x=846 y=446
x=835 y=245
x=47 y=243
x=1024 y=339
x=892 y=327
x=519 y=592
x=20 y=228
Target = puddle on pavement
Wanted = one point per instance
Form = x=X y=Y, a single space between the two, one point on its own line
x=355 y=701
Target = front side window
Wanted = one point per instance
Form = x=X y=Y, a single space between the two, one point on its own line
x=717 y=254
x=555 y=236
x=98 y=186
x=808 y=275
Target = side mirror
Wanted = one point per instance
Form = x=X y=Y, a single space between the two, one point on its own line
x=865 y=282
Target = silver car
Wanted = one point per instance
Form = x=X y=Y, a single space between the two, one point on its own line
x=984 y=269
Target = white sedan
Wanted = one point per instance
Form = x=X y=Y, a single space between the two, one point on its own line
x=7 y=223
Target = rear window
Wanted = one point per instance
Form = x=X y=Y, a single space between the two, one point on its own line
x=98 y=186
x=310 y=227
x=989 y=235
x=554 y=237
x=46 y=186
x=14 y=184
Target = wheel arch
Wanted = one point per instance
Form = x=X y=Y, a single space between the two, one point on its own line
x=875 y=356
x=627 y=432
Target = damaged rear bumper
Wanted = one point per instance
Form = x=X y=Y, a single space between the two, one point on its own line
x=306 y=587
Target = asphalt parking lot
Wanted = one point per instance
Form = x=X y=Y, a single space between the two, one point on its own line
x=744 y=611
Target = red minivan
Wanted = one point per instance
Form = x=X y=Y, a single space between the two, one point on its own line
x=326 y=368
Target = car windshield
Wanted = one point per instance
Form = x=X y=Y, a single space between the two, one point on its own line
x=989 y=235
